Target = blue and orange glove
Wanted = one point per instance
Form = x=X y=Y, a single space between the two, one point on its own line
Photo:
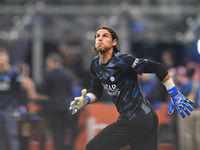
x=179 y=102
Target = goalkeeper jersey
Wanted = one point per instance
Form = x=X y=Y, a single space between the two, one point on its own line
x=118 y=77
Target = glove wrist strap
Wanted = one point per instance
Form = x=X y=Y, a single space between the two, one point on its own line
x=173 y=91
x=91 y=98
x=88 y=99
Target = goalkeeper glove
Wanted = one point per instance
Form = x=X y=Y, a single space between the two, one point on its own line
x=79 y=102
x=179 y=102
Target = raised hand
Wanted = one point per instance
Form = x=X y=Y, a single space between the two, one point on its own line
x=78 y=102
x=181 y=103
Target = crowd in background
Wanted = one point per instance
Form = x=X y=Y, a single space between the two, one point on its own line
x=25 y=107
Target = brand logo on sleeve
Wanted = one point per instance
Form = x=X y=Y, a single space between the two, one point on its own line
x=135 y=62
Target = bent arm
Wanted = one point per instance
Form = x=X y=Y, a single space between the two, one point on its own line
x=157 y=68
x=161 y=72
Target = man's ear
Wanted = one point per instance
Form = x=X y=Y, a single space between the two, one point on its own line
x=114 y=42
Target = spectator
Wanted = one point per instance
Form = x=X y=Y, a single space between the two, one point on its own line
x=167 y=57
x=9 y=99
x=152 y=89
x=29 y=97
x=188 y=129
x=59 y=85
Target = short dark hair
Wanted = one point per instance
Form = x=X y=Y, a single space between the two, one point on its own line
x=55 y=57
x=113 y=34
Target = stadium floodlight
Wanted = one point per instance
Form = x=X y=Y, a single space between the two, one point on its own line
x=198 y=46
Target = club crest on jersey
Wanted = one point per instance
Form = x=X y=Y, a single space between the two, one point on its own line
x=112 y=79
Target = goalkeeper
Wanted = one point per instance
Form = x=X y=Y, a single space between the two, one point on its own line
x=115 y=72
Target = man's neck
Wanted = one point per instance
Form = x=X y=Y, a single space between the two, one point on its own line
x=106 y=56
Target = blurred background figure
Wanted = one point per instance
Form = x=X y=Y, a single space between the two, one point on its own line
x=188 y=79
x=27 y=83
x=152 y=89
x=30 y=98
x=71 y=55
x=60 y=86
x=9 y=99
x=167 y=57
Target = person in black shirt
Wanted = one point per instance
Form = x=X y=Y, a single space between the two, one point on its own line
x=115 y=72
x=58 y=80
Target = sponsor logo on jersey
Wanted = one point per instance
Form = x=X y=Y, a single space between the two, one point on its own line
x=4 y=86
x=111 y=89
x=135 y=63
x=5 y=82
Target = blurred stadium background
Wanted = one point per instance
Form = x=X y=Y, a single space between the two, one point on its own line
x=31 y=29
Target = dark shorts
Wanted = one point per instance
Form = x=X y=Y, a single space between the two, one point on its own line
x=139 y=134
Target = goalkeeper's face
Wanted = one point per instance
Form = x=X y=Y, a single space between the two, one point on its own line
x=104 y=40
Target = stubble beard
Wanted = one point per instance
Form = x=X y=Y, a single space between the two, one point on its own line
x=102 y=50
